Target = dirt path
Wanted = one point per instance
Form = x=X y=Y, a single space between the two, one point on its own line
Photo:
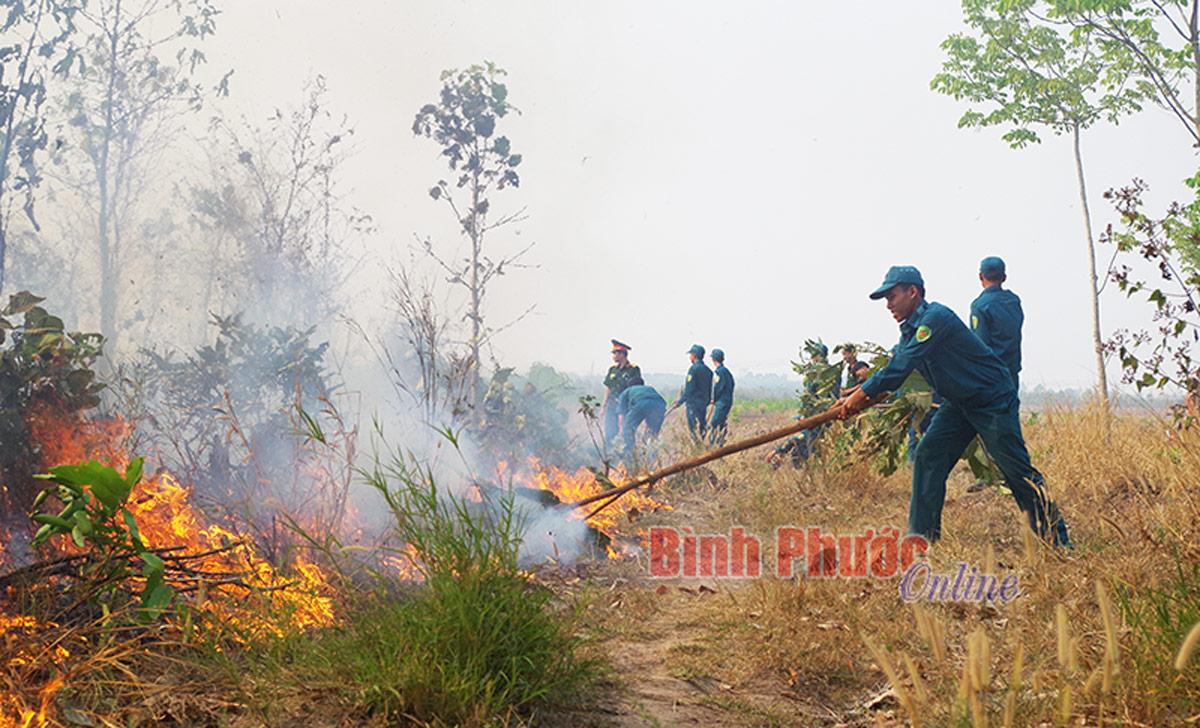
x=669 y=662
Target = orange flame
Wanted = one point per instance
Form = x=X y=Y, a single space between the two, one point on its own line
x=13 y=711
x=165 y=518
x=573 y=487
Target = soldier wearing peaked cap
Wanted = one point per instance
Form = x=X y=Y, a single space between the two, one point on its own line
x=621 y=376
x=979 y=400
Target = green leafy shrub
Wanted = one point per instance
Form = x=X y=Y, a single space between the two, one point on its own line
x=42 y=368
x=94 y=516
x=525 y=415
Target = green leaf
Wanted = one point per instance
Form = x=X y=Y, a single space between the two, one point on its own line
x=77 y=537
x=52 y=520
x=154 y=564
x=71 y=475
x=20 y=303
x=79 y=379
x=83 y=522
x=131 y=522
x=133 y=472
x=42 y=534
x=155 y=599
x=107 y=485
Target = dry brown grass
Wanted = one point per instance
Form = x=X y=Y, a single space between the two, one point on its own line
x=1070 y=650
x=1079 y=646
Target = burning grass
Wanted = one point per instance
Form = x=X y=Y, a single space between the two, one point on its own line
x=558 y=534
x=475 y=642
x=452 y=631
x=1095 y=636
x=132 y=588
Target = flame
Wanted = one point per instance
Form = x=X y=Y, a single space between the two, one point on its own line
x=69 y=438
x=13 y=711
x=261 y=598
x=166 y=518
x=574 y=487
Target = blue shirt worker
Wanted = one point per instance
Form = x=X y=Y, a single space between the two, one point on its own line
x=697 y=392
x=996 y=317
x=722 y=398
x=979 y=399
x=619 y=378
x=637 y=404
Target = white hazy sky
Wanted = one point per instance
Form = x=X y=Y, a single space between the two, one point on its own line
x=739 y=174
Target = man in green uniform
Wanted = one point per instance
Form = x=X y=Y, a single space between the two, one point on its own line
x=722 y=398
x=979 y=400
x=637 y=404
x=697 y=392
x=620 y=377
x=996 y=317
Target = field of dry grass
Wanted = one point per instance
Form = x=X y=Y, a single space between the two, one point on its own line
x=1092 y=638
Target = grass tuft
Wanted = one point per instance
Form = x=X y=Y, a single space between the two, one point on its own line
x=476 y=643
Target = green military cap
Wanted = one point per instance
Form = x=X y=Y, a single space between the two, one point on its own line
x=991 y=267
x=897 y=275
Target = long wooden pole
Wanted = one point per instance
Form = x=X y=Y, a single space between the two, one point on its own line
x=807 y=423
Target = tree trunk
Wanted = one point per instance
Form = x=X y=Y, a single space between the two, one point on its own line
x=476 y=294
x=1097 y=342
x=1194 y=41
x=3 y=252
x=24 y=75
x=109 y=244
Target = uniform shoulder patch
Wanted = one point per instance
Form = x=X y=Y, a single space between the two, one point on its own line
x=923 y=333
x=974 y=321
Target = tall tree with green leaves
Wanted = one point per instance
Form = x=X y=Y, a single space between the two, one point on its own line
x=1027 y=73
x=35 y=44
x=463 y=122
x=1157 y=42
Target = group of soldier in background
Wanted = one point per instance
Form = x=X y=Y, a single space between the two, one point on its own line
x=629 y=401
